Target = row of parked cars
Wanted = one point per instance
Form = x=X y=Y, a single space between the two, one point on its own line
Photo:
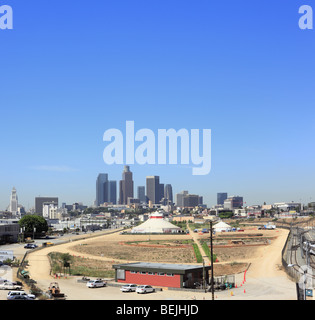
x=16 y=291
x=136 y=288
x=99 y=283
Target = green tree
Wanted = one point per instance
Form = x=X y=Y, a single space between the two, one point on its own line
x=29 y=222
x=66 y=259
x=225 y=215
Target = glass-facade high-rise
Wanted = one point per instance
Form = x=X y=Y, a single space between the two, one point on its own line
x=101 y=189
x=153 y=189
x=112 y=192
x=106 y=191
x=168 y=192
x=125 y=186
x=221 y=196
x=141 y=194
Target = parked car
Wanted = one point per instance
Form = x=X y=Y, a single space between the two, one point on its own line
x=96 y=283
x=145 y=289
x=20 y=295
x=30 y=246
x=10 y=286
x=128 y=288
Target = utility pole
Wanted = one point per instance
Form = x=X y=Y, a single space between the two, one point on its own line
x=211 y=245
x=204 y=275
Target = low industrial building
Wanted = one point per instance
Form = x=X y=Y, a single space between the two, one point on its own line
x=161 y=274
x=9 y=232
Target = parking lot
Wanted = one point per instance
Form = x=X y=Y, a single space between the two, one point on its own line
x=79 y=291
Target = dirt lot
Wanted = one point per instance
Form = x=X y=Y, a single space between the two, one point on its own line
x=121 y=251
x=264 y=279
x=158 y=249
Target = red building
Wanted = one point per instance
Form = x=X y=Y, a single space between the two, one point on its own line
x=161 y=274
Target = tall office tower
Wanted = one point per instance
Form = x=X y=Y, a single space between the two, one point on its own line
x=168 y=192
x=13 y=202
x=141 y=194
x=161 y=193
x=41 y=201
x=153 y=189
x=180 y=198
x=221 y=197
x=101 y=189
x=112 y=192
x=125 y=186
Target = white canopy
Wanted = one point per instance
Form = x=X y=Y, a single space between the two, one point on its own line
x=220 y=226
x=156 y=225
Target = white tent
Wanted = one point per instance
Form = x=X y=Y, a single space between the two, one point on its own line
x=221 y=226
x=156 y=224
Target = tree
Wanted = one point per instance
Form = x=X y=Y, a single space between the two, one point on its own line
x=66 y=259
x=225 y=215
x=29 y=222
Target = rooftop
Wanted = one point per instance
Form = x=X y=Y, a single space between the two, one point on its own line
x=181 y=268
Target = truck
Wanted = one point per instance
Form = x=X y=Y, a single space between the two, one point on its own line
x=270 y=226
x=54 y=291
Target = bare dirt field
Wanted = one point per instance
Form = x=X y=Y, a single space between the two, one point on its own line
x=122 y=251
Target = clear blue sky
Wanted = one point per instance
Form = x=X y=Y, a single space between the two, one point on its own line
x=70 y=70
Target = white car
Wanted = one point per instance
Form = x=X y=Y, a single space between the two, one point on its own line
x=20 y=295
x=145 y=289
x=96 y=283
x=128 y=288
x=10 y=286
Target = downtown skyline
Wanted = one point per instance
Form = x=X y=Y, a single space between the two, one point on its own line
x=140 y=183
x=247 y=74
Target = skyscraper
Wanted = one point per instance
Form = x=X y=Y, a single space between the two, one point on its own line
x=153 y=189
x=112 y=192
x=125 y=186
x=141 y=194
x=13 y=202
x=161 y=193
x=221 y=197
x=101 y=189
x=168 y=192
